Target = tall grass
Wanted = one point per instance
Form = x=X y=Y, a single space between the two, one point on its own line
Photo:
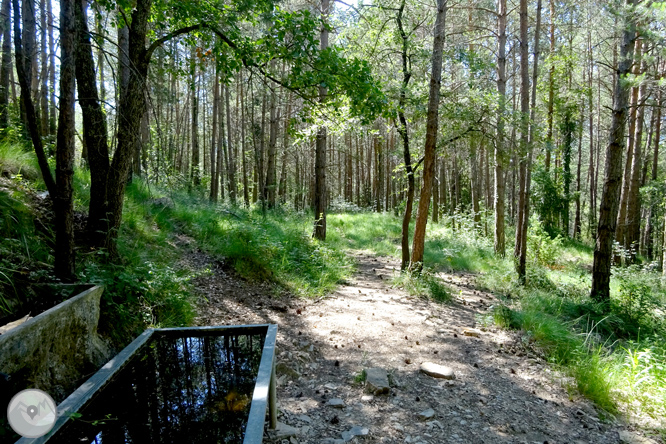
x=276 y=246
x=16 y=160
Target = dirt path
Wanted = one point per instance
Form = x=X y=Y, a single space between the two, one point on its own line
x=502 y=392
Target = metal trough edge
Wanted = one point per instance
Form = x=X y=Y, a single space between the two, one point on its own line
x=262 y=397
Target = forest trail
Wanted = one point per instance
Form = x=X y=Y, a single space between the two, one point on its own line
x=502 y=392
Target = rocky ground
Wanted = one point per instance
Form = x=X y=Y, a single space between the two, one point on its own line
x=501 y=391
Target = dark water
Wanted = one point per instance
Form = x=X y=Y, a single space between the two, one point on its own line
x=174 y=390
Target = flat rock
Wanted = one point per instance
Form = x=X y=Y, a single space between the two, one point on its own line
x=376 y=381
x=354 y=431
x=284 y=369
x=367 y=398
x=437 y=371
x=336 y=402
x=472 y=332
x=283 y=431
x=426 y=414
x=628 y=437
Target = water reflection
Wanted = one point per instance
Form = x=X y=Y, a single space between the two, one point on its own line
x=174 y=390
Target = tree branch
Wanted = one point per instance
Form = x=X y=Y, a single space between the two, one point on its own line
x=159 y=42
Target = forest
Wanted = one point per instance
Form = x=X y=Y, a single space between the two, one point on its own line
x=516 y=141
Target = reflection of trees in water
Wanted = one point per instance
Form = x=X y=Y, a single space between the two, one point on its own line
x=195 y=389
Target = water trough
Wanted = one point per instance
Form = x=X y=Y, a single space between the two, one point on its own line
x=175 y=385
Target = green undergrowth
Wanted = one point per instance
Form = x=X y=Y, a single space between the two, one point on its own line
x=615 y=353
x=424 y=284
x=277 y=246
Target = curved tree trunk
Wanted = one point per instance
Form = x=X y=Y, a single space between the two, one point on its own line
x=418 y=243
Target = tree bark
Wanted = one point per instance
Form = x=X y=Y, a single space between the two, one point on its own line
x=195 y=172
x=271 y=173
x=64 y=208
x=521 y=230
x=621 y=228
x=633 y=214
x=231 y=164
x=500 y=151
x=601 y=268
x=131 y=108
x=43 y=75
x=213 y=140
x=52 y=69
x=32 y=117
x=418 y=243
x=6 y=64
x=320 y=150
x=94 y=127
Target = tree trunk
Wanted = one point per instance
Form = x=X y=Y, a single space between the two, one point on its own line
x=418 y=243
x=551 y=87
x=621 y=228
x=52 y=69
x=231 y=165
x=500 y=151
x=404 y=134
x=521 y=229
x=31 y=116
x=131 y=108
x=246 y=191
x=43 y=75
x=213 y=137
x=274 y=119
x=64 y=208
x=633 y=216
x=577 y=219
x=195 y=172
x=601 y=268
x=6 y=64
x=320 y=151
x=379 y=169
x=592 y=175
x=94 y=127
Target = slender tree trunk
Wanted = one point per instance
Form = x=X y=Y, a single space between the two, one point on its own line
x=64 y=208
x=52 y=69
x=404 y=134
x=601 y=268
x=418 y=242
x=246 y=194
x=521 y=229
x=231 y=165
x=274 y=119
x=6 y=64
x=551 y=88
x=213 y=138
x=500 y=150
x=320 y=152
x=577 y=219
x=591 y=170
x=633 y=216
x=195 y=173
x=32 y=117
x=43 y=75
x=621 y=228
